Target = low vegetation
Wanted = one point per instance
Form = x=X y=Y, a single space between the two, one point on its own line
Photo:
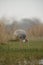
x=12 y=53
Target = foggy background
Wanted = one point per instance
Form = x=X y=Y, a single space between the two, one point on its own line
x=19 y=9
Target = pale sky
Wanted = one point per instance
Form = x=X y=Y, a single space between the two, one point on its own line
x=21 y=8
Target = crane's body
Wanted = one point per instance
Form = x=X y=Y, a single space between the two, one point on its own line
x=20 y=34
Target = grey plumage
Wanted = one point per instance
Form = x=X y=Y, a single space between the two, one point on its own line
x=21 y=34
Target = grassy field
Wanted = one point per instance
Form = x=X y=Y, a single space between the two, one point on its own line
x=13 y=53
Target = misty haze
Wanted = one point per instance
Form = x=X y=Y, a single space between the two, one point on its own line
x=21 y=32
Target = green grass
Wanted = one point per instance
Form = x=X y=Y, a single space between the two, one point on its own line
x=12 y=52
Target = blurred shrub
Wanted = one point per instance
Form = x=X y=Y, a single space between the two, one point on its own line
x=3 y=34
x=36 y=30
